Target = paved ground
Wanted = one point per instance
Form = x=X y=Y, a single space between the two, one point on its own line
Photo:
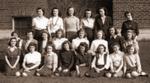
x=145 y=59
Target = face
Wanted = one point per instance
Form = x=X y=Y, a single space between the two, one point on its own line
x=71 y=11
x=101 y=49
x=99 y=35
x=129 y=16
x=44 y=36
x=55 y=12
x=30 y=35
x=15 y=35
x=129 y=35
x=49 y=49
x=131 y=50
x=66 y=46
x=88 y=14
x=81 y=34
x=32 y=48
x=82 y=48
x=101 y=12
x=59 y=34
x=40 y=12
x=112 y=31
x=115 y=48
x=13 y=42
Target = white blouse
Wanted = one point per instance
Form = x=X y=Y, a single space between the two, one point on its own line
x=58 y=43
x=55 y=24
x=40 y=23
x=34 y=58
x=87 y=23
x=76 y=42
x=96 y=43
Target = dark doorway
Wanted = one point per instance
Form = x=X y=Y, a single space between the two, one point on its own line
x=22 y=25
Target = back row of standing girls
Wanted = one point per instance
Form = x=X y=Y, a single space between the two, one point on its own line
x=62 y=57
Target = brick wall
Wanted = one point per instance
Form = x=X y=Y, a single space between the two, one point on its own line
x=139 y=8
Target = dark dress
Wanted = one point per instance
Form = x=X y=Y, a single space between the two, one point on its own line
x=111 y=40
x=83 y=59
x=12 y=57
x=129 y=25
x=66 y=61
x=98 y=24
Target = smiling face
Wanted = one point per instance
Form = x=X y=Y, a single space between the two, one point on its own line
x=131 y=50
x=66 y=46
x=55 y=12
x=100 y=34
x=44 y=36
x=71 y=11
x=59 y=34
x=13 y=42
x=32 y=48
x=112 y=31
x=102 y=12
x=88 y=14
x=40 y=12
x=116 y=48
x=81 y=34
x=101 y=49
x=129 y=35
x=49 y=49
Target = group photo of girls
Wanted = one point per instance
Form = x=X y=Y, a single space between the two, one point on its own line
x=89 y=47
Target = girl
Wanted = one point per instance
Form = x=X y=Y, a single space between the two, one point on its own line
x=100 y=63
x=50 y=63
x=55 y=21
x=129 y=39
x=66 y=60
x=12 y=57
x=81 y=38
x=44 y=42
x=116 y=61
x=102 y=21
x=31 y=61
x=129 y=24
x=71 y=24
x=96 y=42
x=30 y=39
x=83 y=59
x=19 y=40
x=132 y=63
x=112 y=38
x=87 y=23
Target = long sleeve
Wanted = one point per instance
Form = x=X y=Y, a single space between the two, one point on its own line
x=72 y=61
x=55 y=63
x=108 y=62
x=93 y=63
x=138 y=62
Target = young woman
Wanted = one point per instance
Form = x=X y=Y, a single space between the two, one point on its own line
x=31 y=61
x=102 y=21
x=19 y=40
x=129 y=24
x=132 y=63
x=100 y=63
x=39 y=23
x=83 y=59
x=96 y=42
x=87 y=23
x=66 y=59
x=30 y=39
x=81 y=38
x=44 y=42
x=113 y=37
x=71 y=24
x=50 y=63
x=116 y=61
x=56 y=22
x=12 y=57
x=129 y=39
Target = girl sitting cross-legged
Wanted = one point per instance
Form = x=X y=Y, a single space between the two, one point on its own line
x=50 y=62
x=100 y=64
x=132 y=63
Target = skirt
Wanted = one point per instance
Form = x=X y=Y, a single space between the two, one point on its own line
x=45 y=71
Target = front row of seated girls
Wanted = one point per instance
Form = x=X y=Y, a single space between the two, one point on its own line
x=80 y=62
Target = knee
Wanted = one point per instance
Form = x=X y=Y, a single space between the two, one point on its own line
x=128 y=75
x=108 y=75
x=134 y=74
x=24 y=74
x=18 y=74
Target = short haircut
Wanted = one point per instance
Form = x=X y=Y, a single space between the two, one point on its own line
x=104 y=8
x=9 y=42
x=32 y=44
x=129 y=47
x=68 y=11
x=12 y=34
x=60 y=30
x=84 y=44
x=66 y=42
x=59 y=13
x=39 y=8
x=97 y=50
x=127 y=12
x=85 y=12
x=82 y=30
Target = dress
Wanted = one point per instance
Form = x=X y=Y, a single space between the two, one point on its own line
x=12 y=57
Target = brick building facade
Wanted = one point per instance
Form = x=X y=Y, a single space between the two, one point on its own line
x=17 y=14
